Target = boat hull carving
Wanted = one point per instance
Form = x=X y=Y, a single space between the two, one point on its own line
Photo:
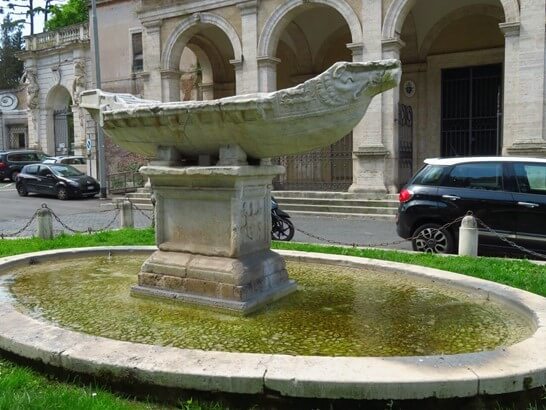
x=311 y=115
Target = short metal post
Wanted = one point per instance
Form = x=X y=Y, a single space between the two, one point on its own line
x=45 y=223
x=127 y=220
x=468 y=237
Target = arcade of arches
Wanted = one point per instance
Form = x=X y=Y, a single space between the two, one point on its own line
x=473 y=73
x=464 y=85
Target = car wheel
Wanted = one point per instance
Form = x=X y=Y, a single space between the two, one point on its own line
x=431 y=239
x=62 y=193
x=22 y=190
x=13 y=176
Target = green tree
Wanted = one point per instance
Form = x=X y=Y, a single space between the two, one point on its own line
x=26 y=10
x=73 y=12
x=11 y=68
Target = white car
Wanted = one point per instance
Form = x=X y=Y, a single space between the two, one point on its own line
x=77 y=161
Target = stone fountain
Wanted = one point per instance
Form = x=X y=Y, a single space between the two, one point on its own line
x=211 y=176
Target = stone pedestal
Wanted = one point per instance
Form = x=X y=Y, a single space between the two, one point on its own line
x=369 y=171
x=213 y=230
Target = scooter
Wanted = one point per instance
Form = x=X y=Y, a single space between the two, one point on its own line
x=282 y=228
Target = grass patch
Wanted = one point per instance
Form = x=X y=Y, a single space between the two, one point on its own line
x=22 y=388
x=520 y=273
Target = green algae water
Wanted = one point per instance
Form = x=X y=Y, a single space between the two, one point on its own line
x=337 y=311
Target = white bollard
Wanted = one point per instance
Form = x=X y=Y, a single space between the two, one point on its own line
x=45 y=223
x=127 y=220
x=468 y=237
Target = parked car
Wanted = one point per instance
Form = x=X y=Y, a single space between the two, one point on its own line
x=63 y=181
x=507 y=194
x=77 y=161
x=11 y=162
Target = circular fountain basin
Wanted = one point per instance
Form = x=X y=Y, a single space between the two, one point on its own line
x=518 y=364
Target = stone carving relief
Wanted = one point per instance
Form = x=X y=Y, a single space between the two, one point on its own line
x=33 y=90
x=79 y=80
x=56 y=71
x=8 y=102
x=251 y=226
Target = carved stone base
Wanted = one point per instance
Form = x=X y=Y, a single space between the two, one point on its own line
x=213 y=231
x=241 y=285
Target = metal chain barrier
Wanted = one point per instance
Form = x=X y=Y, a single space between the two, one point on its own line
x=142 y=211
x=509 y=242
x=374 y=245
x=89 y=229
x=24 y=228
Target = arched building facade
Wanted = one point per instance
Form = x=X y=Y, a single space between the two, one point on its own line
x=473 y=72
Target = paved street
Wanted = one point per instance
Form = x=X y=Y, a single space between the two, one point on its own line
x=82 y=214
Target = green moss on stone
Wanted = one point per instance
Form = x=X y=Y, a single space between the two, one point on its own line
x=337 y=311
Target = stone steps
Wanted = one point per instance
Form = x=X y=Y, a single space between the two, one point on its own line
x=311 y=203
x=338 y=204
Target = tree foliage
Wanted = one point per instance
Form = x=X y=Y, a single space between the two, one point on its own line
x=26 y=10
x=73 y=12
x=11 y=68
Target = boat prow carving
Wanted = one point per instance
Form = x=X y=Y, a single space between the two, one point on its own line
x=311 y=115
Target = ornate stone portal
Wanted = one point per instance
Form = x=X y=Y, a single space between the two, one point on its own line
x=213 y=223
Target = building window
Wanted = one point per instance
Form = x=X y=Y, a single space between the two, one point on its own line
x=138 y=58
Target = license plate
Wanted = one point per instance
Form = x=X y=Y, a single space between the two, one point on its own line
x=90 y=187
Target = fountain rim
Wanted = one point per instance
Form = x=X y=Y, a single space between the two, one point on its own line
x=508 y=369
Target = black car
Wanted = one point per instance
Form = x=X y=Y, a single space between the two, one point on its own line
x=506 y=194
x=11 y=162
x=63 y=181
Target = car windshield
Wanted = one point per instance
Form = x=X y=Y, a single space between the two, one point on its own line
x=65 y=171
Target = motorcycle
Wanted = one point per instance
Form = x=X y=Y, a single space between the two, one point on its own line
x=282 y=228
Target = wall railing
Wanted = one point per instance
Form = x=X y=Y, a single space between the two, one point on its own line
x=57 y=38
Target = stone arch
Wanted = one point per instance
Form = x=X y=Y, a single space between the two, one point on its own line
x=485 y=10
x=276 y=23
x=170 y=57
x=58 y=98
x=399 y=9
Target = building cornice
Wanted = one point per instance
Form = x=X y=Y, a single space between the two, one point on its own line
x=26 y=54
x=190 y=7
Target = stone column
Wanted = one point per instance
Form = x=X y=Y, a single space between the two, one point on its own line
x=511 y=84
x=530 y=116
x=151 y=47
x=238 y=64
x=390 y=100
x=368 y=149
x=170 y=85
x=267 y=70
x=249 y=26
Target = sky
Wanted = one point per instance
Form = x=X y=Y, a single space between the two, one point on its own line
x=38 y=19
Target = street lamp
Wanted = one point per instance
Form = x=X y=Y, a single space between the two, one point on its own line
x=100 y=134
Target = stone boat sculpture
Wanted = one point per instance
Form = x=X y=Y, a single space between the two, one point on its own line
x=311 y=115
x=213 y=222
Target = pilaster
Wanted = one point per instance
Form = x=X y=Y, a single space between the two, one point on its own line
x=238 y=65
x=170 y=84
x=530 y=116
x=267 y=68
x=390 y=100
x=206 y=90
x=511 y=83
x=368 y=150
x=249 y=24
x=151 y=45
